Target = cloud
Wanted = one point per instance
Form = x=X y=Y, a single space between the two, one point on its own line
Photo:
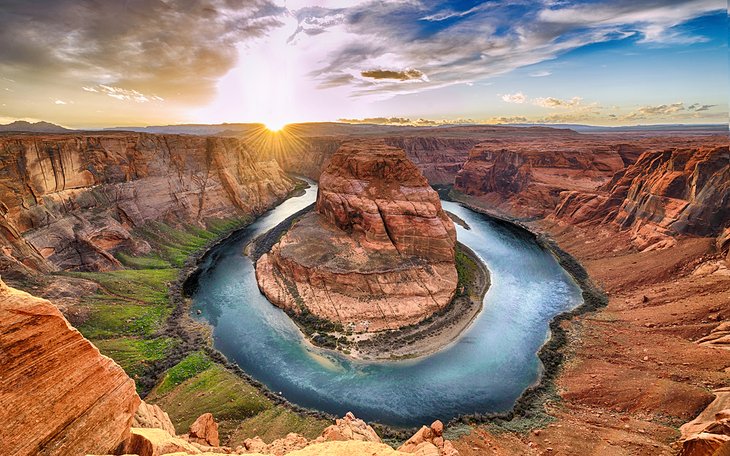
x=696 y=107
x=662 y=110
x=453 y=46
x=59 y=102
x=404 y=75
x=540 y=74
x=125 y=94
x=517 y=97
x=509 y=120
x=552 y=102
x=175 y=48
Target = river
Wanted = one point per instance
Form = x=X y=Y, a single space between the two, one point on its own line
x=485 y=370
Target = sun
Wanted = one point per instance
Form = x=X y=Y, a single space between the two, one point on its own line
x=274 y=125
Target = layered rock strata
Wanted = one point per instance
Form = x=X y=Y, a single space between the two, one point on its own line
x=378 y=252
x=70 y=201
x=58 y=394
x=664 y=194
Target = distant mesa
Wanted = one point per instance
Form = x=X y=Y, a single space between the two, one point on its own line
x=33 y=127
x=378 y=252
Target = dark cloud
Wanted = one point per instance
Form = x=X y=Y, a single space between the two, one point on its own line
x=170 y=48
x=405 y=75
x=696 y=107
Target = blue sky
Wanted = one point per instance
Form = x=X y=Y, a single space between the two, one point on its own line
x=278 y=61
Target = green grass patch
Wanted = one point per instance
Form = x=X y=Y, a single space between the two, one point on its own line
x=276 y=423
x=215 y=390
x=134 y=355
x=189 y=367
x=467 y=270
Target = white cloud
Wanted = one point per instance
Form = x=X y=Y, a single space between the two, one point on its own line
x=552 y=102
x=59 y=102
x=122 y=94
x=517 y=97
x=540 y=74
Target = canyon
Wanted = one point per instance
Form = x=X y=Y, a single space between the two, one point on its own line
x=378 y=252
x=646 y=214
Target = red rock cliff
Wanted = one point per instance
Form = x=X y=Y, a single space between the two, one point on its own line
x=68 y=201
x=664 y=194
x=377 y=254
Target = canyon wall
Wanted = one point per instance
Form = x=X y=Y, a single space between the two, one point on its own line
x=70 y=201
x=439 y=159
x=664 y=194
x=59 y=396
x=378 y=252
x=527 y=179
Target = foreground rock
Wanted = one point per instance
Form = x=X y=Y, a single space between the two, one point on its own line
x=59 y=395
x=152 y=416
x=709 y=433
x=377 y=254
x=71 y=201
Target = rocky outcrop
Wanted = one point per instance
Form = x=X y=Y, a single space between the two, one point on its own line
x=59 y=395
x=429 y=441
x=204 y=430
x=377 y=254
x=527 y=178
x=664 y=194
x=70 y=201
x=152 y=416
x=709 y=433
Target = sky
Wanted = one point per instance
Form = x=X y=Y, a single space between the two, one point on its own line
x=94 y=63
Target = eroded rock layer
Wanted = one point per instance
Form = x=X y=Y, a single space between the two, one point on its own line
x=70 y=201
x=664 y=194
x=58 y=394
x=377 y=254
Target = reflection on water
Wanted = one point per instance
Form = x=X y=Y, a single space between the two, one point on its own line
x=485 y=370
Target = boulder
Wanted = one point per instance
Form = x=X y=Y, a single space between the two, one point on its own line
x=152 y=416
x=204 y=430
x=156 y=442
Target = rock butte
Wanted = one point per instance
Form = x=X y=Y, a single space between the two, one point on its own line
x=378 y=252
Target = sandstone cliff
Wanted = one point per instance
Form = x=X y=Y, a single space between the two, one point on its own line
x=438 y=158
x=69 y=201
x=664 y=194
x=377 y=254
x=58 y=395
x=527 y=178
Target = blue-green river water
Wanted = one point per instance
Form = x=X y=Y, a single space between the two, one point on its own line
x=485 y=370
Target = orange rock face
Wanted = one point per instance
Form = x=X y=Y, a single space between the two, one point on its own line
x=377 y=254
x=58 y=394
x=526 y=178
x=664 y=194
x=70 y=201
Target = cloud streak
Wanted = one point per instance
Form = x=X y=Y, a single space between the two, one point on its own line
x=453 y=46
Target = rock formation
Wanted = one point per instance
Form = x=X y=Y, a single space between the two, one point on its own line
x=527 y=178
x=664 y=194
x=59 y=395
x=204 y=430
x=429 y=441
x=70 y=201
x=709 y=433
x=378 y=252
x=152 y=416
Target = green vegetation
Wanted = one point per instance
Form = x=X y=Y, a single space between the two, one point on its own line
x=216 y=390
x=277 y=422
x=189 y=367
x=172 y=246
x=467 y=270
x=135 y=355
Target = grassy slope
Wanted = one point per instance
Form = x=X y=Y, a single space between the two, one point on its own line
x=127 y=320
